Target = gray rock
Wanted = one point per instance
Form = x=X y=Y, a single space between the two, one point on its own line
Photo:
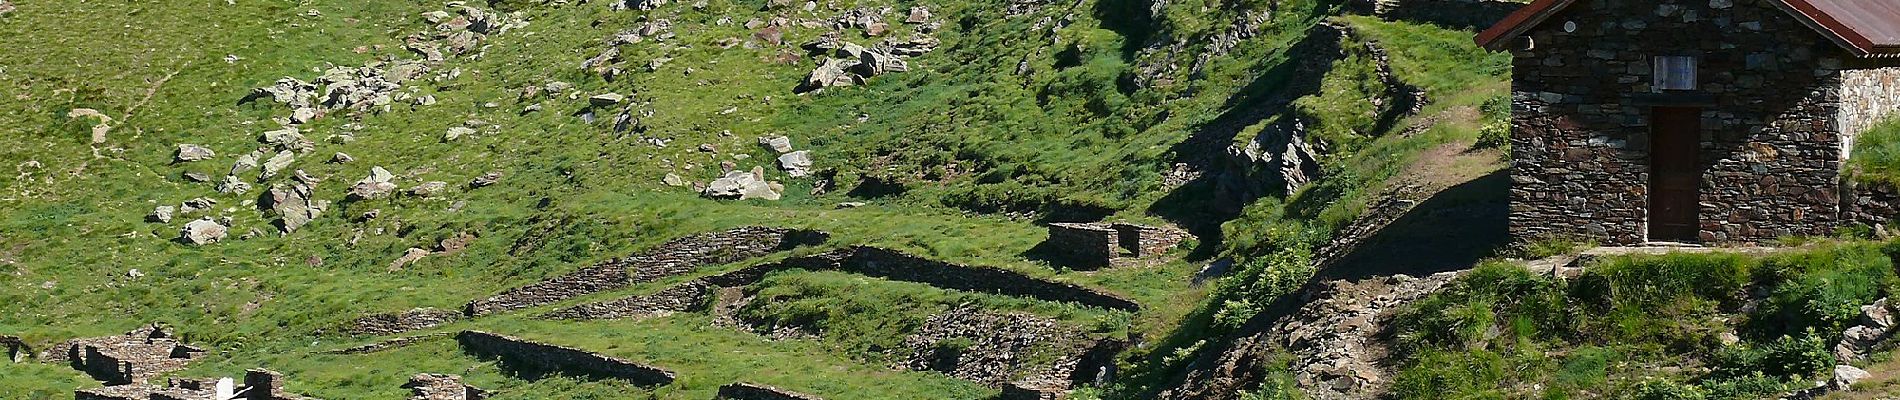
x=198 y=177
x=233 y=185
x=918 y=15
x=6 y=7
x=295 y=207
x=486 y=180
x=196 y=205
x=377 y=185
x=303 y=115
x=606 y=99
x=429 y=189
x=287 y=139
x=673 y=180
x=833 y=73
x=778 y=144
x=342 y=158
x=162 y=214
x=202 y=232
x=457 y=133
x=278 y=163
x=797 y=163
x=245 y=163
x=191 y=152
x=879 y=62
x=1845 y=376
x=741 y=185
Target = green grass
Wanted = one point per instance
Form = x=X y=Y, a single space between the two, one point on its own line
x=1646 y=324
x=1876 y=154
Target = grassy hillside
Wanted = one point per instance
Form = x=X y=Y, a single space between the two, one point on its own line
x=1027 y=112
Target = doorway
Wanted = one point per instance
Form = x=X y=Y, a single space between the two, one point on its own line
x=1675 y=173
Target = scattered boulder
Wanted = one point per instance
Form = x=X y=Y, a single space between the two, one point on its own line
x=743 y=185
x=198 y=177
x=245 y=163
x=233 y=185
x=672 y=179
x=1845 y=376
x=486 y=180
x=778 y=144
x=202 y=232
x=457 y=133
x=196 y=205
x=606 y=99
x=408 y=257
x=295 y=207
x=278 y=163
x=797 y=163
x=832 y=73
x=161 y=214
x=429 y=189
x=377 y=185
x=918 y=15
x=342 y=158
x=191 y=152
x=287 y=139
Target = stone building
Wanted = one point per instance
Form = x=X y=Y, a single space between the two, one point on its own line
x=1088 y=246
x=1692 y=120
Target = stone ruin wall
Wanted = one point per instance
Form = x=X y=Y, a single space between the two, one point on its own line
x=1148 y=241
x=750 y=391
x=1007 y=350
x=675 y=257
x=540 y=356
x=17 y=349
x=442 y=387
x=684 y=297
x=1084 y=246
x=1581 y=146
x=888 y=264
x=412 y=320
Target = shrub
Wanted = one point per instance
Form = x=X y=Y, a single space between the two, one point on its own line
x=1657 y=389
x=1820 y=290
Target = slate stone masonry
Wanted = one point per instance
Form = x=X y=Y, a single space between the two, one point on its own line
x=1776 y=117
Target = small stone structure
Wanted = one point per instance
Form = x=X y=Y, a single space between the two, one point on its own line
x=1100 y=245
x=750 y=391
x=1741 y=138
x=527 y=354
x=680 y=298
x=17 y=350
x=442 y=387
x=679 y=256
x=259 y=384
x=125 y=359
x=412 y=320
x=1034 y=391
x=995 y=349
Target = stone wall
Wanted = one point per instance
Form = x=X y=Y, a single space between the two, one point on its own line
x=442 y=387
x=1867 y=96
x=387 y=344
x=1871 y=204
x=523 y=354
x=412 y=320
x=132 y=358
x=675 y=257
x=16 y=349
x=1147 y=241
x=1083 y=245
x=996 y=349
x=1581 y=137
x=749 y=391
x=897 y=266
x=680 y=298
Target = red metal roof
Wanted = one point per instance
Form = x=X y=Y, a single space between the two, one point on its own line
x=1868 y=28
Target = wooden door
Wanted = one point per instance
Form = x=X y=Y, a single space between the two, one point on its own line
x=1675 y=173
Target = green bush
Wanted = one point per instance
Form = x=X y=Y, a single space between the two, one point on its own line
x=1820 y=290
x=1657 y=389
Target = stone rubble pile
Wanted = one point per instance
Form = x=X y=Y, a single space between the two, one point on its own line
x=429 y=386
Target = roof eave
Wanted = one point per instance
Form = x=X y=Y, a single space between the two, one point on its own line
x=1520 y=21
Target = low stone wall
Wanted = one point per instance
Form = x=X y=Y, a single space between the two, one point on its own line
x=676 y=257
x=412 y=320
x=994 y=349
x=131 y=358
x=388 y=344
x=1032 y=391
x=1469 y=14
x=748 y=391
x=526 y=354
x=1147 y=241
x=1870 y=204
x=681 y=298
x=897 y=266
x=442 y=387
